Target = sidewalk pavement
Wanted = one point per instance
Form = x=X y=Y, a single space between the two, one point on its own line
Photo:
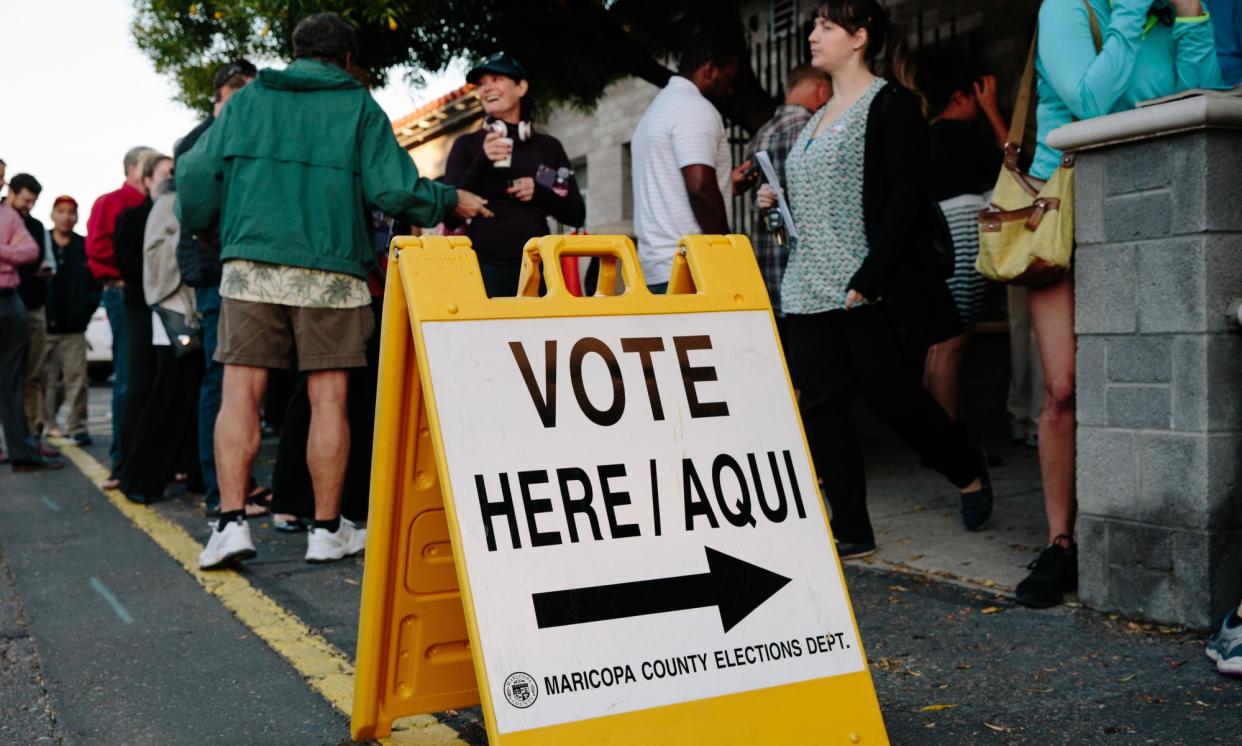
x=918 y=528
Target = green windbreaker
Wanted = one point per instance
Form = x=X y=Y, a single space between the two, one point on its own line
x=289 y=168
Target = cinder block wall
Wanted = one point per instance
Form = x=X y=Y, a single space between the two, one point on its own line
x=1159 y=257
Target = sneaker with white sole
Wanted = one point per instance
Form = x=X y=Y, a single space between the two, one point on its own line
x=227 y=546
x=323 y=545
x=1225 y=647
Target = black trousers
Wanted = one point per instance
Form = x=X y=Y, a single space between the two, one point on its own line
x=141 y=372
x=14 y=340
x=161 y=421
x=292 y=489
x=834 y=358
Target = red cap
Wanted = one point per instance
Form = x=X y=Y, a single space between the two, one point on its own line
x=65 y=198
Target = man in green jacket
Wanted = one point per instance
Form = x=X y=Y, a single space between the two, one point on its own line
x=286 y=173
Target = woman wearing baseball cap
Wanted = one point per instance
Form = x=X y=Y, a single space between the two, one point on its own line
x=525 y=175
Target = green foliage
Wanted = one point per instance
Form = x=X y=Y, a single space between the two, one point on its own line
x=572 y=49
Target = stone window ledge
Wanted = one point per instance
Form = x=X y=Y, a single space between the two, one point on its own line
x=1193 y=113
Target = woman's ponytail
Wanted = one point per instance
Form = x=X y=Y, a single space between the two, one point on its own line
x=899 y=65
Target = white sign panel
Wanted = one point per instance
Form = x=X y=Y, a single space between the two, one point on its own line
x=638 y=518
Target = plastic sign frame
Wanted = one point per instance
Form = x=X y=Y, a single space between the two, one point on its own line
x=420 y=648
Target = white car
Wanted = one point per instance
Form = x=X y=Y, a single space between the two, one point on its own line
x=99 y=346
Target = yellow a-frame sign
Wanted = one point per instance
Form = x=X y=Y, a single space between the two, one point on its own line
x=597 y=516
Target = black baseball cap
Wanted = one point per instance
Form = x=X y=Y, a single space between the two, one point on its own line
x=501 y=63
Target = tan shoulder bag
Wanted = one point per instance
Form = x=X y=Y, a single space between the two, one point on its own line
x=1026 y=236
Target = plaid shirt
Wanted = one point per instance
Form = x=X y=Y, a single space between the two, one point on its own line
x=776 y=137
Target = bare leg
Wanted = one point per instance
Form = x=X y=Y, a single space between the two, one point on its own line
x=327 y=446
x=1052 y=312
x=237 y=432
x=940 y=372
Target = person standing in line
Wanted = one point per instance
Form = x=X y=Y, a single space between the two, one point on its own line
x=24 y=191
x=964 y=161
x=1149 y=49
x=17 y=248
x=863 y=293
x=294 y=288
x=143 y=364
x=73 y=295
x=806 y=90
x=198 y=257
x=1227 y=27
x=681 y=161
x=161 y=444
x=524 y=175
x=101 y=258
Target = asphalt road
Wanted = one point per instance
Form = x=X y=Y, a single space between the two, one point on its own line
x=105 y=639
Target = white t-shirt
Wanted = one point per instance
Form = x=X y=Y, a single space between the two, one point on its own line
x=681 y=128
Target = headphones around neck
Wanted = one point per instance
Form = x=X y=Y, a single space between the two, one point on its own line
x=502 y=127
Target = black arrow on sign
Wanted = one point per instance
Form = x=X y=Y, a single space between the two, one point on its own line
x=735 y=587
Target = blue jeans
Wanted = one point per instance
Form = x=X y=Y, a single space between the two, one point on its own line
x=113 y=302
x=209 y=393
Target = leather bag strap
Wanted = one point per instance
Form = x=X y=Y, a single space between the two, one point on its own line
x=1026 y=91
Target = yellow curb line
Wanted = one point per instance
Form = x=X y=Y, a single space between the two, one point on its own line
x=326 y=669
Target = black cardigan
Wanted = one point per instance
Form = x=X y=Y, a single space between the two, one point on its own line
x=499 y=239
x=901 y=266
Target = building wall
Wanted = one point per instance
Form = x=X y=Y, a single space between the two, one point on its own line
x=601 y=139
x=431 y=156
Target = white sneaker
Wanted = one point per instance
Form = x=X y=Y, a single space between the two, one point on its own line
x=227 y=546
x=323 y=545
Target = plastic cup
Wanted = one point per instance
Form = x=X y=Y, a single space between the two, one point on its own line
x=507 y=161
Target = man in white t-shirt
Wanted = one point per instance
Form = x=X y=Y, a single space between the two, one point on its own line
x=681 y=162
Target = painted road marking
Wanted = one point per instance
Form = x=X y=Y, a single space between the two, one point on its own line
x=326 y=669
x=50 y=505
x=107 y=595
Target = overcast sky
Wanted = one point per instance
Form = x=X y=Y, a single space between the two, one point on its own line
x=76 y=93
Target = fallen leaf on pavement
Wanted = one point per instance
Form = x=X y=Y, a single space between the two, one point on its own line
x=1127 y=678
x=1149 y=699
x=1174 y=664
x=937 y=708
x=1040 y=689
x=989 y=584
x=898 y=588
x=991 y=610
x=998 y=728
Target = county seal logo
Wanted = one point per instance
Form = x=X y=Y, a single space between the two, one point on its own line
x=521 y=690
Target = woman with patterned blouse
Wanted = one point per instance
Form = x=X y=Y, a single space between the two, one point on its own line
x=862 y=292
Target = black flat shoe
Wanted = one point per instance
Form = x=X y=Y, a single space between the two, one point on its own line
x=977 y=506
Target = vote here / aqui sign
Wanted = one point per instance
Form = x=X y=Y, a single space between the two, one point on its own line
x=636 y=519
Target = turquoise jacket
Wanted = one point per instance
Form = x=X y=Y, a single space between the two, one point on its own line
x=289 y=168
x=1139 y=60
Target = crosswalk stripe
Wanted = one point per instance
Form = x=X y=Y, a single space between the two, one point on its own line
x=326 y=669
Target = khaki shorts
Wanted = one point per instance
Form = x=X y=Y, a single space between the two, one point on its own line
x=265 y=335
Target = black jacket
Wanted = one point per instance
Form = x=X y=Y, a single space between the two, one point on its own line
x=199 y=260
x=131 y=227
x=73 y=294
x=901 y=266
x=499 y=239
x=33 y=289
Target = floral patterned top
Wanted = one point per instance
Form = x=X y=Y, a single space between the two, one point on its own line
x=825 y=176
x=257 y=282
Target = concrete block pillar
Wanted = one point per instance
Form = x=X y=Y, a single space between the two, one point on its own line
x=1159 y=367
